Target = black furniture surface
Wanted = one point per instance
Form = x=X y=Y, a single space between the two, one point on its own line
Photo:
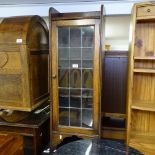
x=94 y=147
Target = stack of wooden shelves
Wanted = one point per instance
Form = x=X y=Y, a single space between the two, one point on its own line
x=141 y=80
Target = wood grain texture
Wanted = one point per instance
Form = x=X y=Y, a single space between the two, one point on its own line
x=11 y=145
x=141 y=96
x=24 y=63
x=114 y=86
x=74 y=20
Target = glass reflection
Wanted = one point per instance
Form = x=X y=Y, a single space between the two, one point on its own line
x=75 y=37
x=87 y=102
x=63 y=53
x=64 y=116
x=63 y=78
x=87 y=53
x=87 y=78
x=64 y=97
x=75 y=53
x=87 y=64
x=75 y=63
x=75 y=117
x=75 y=78
x=87 y=120
x=88 y=36
x=63 y=37
x=75 y=102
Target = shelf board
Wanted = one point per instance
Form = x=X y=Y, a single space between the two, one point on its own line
x=76 y=96
x=144 y=58
x=143 y=105
x=145 y=137
x=113 y=128
x=143 y=141
x=115 y=115
x=71 y=68
x=75 y=59
x=142 y=134
x=139 y=70
x=141 y=18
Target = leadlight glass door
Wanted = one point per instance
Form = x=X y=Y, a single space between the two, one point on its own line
x=75 y=71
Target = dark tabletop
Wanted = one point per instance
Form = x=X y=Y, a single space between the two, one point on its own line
x=96 y=147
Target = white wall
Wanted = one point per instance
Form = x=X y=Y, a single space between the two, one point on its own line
x=117 y=32
x=111 y=8
x=117 y=26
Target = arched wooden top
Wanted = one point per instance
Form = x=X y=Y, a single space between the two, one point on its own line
x=30 y=30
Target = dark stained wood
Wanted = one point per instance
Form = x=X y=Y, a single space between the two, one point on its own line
x=75 y=15
x=74 y=19
x=23 y=63
x=115 y=82
x=11 y=145
x=34 y=130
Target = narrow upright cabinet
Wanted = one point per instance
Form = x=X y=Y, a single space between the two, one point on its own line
x=141 y=80
x=75 y=47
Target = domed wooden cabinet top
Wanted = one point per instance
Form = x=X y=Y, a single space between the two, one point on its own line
x=23 y=63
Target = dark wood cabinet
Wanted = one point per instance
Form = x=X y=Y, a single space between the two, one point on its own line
x=23 y=63
x=76 y=45
x=34 y=131
x=115 y=68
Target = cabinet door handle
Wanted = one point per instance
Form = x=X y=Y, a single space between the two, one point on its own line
x=54 y=76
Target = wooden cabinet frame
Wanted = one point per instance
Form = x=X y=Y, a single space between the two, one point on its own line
x=75 y=19
x=141 y=78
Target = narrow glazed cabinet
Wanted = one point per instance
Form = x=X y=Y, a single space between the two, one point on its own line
x=76 y=76
x=23 y=63
x=141 y=80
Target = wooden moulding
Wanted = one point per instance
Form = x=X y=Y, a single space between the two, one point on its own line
x=75 y=15
x=24 y=63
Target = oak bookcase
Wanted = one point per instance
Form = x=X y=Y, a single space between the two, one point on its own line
x=141 y=79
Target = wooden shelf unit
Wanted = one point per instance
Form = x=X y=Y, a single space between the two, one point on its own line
x=143 y=105
x=141 y=80
x=144 y=58
x=141 y=70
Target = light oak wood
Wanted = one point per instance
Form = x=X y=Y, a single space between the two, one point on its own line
x=145 y=11
x=141 y=80
x=143 y=105
x=144 y=70
x=23 y=63
x=144 y=58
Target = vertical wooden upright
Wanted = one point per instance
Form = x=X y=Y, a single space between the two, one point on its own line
x=141 y=79
x=76 y=41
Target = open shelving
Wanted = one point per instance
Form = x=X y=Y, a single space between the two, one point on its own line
x=141 y=80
